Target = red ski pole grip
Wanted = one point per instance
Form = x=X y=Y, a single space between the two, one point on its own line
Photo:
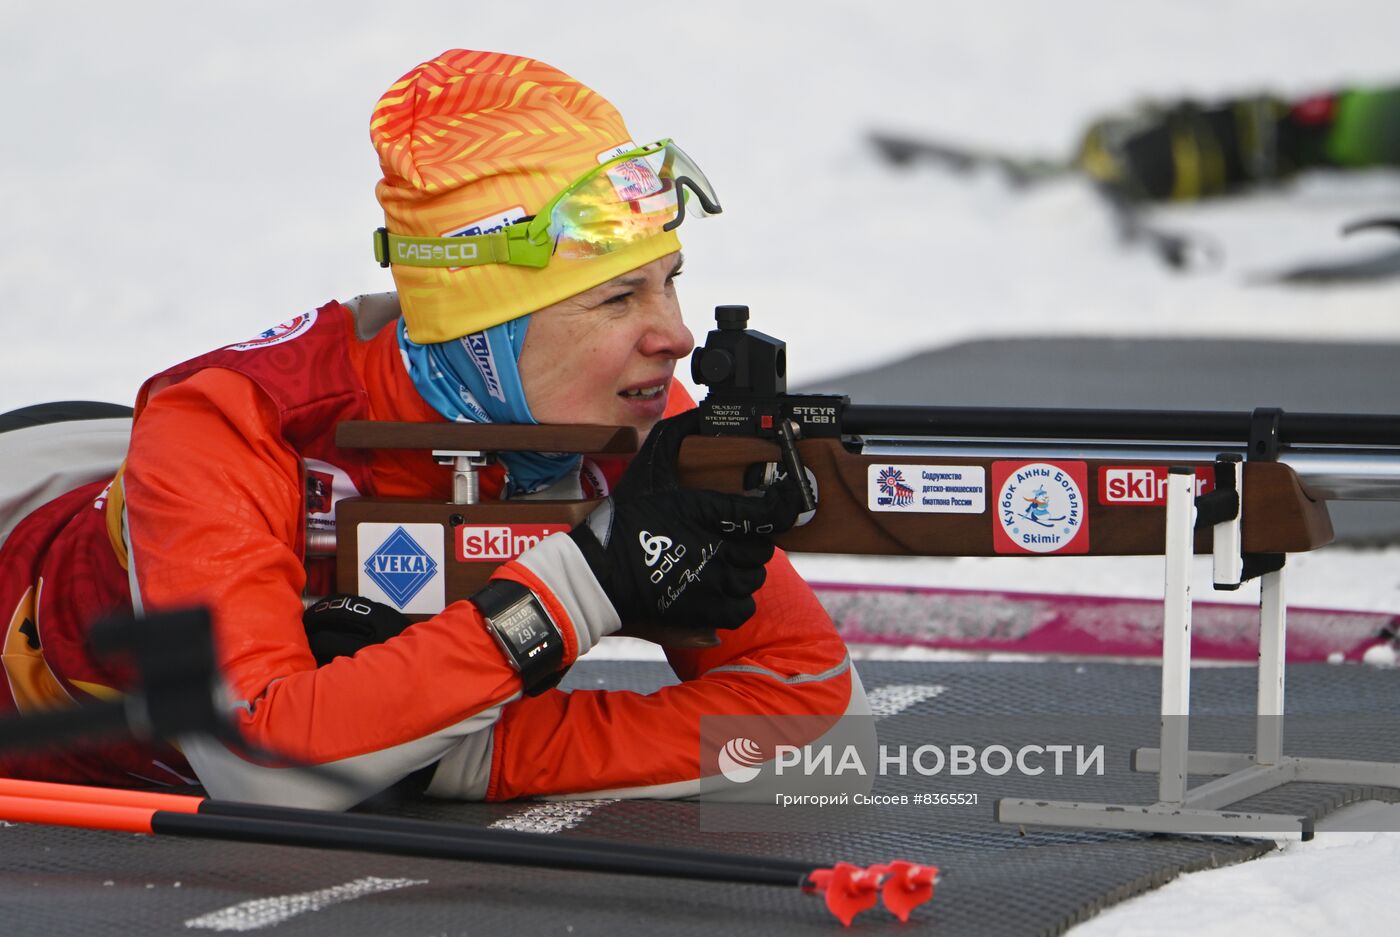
x=849 y=889
x=906 y=886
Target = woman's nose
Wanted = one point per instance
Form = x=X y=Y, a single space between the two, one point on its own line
x=668 y=335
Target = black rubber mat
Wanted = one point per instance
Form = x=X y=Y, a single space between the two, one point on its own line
x=998 y=879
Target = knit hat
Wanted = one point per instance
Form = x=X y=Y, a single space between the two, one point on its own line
x=470 y=142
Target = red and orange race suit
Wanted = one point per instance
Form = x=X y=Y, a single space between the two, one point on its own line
x=230 y=459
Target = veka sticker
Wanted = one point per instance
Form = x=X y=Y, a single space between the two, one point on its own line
x=402 y=565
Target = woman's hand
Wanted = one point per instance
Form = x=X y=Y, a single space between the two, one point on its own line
x=678 y=563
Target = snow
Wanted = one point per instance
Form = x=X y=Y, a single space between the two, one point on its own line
x=1332 y=885
x=181 y=176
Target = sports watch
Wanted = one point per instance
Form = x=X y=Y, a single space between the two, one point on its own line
x=527 y=635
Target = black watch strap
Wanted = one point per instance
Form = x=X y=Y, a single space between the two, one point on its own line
x=526 y=634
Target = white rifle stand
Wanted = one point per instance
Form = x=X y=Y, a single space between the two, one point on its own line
x=1200 y=810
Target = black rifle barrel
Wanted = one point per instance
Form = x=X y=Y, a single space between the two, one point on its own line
x=1355 y=429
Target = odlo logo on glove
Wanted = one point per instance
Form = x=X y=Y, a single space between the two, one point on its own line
x=658 y=550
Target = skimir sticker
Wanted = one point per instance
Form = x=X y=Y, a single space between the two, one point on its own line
x=496 y=543
x=401 y=565
x=283 y=332
x=1040 y=507
x=927 y=489
x=1144 y=484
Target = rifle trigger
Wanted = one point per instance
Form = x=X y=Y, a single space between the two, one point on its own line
x=788 y=431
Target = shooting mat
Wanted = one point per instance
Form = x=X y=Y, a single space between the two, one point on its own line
x=998 y=880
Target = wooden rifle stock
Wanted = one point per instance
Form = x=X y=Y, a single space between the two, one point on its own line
x=1279 y=517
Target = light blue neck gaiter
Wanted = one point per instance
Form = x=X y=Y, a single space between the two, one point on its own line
x=476 y=379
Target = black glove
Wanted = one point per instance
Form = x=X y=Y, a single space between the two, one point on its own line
x=672 y=556
x=341 y=624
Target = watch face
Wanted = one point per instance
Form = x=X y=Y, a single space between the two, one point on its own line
x=523 y=626
x=524 y=632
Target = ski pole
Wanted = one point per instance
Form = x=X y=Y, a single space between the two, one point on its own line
x=184 y=803
x=848 y=889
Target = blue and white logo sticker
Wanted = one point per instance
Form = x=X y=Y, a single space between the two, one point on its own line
x=402 y=565
x=490 y=224
x=926 y=489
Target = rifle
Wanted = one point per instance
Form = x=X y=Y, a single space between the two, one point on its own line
x=892 y=480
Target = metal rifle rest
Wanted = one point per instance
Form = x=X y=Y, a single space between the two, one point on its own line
x=1239 y=775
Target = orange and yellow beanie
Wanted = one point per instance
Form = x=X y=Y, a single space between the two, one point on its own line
x=470 y=142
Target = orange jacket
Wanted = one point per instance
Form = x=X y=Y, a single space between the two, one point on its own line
x=212 y=506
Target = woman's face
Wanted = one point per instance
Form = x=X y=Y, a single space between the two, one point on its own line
x=606 y=355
